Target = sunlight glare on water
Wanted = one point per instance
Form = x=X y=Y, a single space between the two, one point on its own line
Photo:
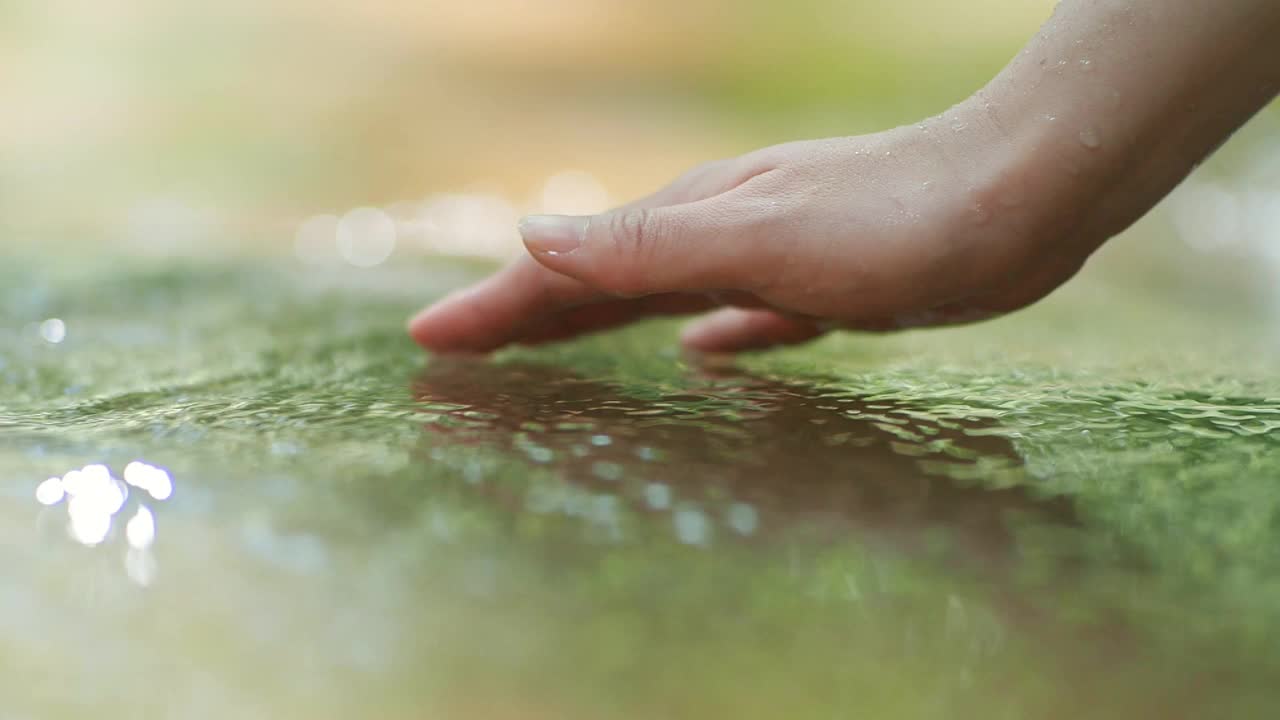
x=50 y=491
x=94 y=497
x=53 y=330
x=154 y=480
x=140 y=531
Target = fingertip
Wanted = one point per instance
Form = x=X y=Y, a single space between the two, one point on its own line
x=699 y=336
x=496 y=311
x=734 y=330
x=433 y=331
x=456 y=324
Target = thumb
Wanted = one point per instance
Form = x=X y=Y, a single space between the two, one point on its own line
x=645 y=251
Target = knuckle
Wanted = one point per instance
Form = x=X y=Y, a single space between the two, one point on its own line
x=634 y=236
x=632 y=232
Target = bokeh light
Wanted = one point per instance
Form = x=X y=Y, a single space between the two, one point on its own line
x=53 y=330
x=366 y=237
x=140 y=531
x=154 y=480
x=316 y=240
x=476 y=225
x=95 y=497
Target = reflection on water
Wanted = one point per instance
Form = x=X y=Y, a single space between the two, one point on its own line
x=747 y=456
x=95 y=497
x=348 y=535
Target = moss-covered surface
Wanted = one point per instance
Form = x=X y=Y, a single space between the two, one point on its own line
x=1068 y=513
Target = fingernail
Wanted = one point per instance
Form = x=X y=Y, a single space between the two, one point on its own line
x=553 y=234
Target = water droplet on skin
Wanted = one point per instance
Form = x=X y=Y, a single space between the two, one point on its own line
x=1051 y=118
x=1086 y=64
x=958 y=125
x=926 y=185
x=981 y=215
x=1089 y=138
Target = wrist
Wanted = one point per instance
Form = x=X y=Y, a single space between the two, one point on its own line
x=1032 y=178
x=1106 y=114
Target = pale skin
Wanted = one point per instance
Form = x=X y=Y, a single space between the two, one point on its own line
x=970 y=214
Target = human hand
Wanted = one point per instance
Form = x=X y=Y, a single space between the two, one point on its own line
x=922 y=225
x=978 y=212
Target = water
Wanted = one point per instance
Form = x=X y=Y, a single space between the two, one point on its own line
x=1030 y=519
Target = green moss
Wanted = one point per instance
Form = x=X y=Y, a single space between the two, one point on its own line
x=987 y=522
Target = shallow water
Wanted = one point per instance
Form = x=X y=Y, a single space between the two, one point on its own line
x=1037 y=518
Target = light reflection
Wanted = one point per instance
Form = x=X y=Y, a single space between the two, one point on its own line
x=53 y=330
x=477 y=224
x=658 y=496
x=366 y=237
x=480 y=225
x=50 y=491
x=743 y=518
x=140 y=531
x=140 y=566
x=1238 y=215
x=316 y=242
x=94 y=497
x=104 y=499
x=88 y=528
x=154 y=480
x=72 y=482
x=692 y=526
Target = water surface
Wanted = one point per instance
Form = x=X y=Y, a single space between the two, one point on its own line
x=1070 y=513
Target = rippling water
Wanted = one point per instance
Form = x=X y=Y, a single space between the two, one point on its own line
x=239 y=492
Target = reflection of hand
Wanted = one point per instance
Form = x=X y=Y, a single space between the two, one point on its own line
x=979 y=212
x=878 y=232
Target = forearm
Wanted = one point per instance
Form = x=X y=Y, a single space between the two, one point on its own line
x=1115 y=101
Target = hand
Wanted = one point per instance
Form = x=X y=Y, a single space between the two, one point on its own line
x=976 y=213
x=912 y=227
